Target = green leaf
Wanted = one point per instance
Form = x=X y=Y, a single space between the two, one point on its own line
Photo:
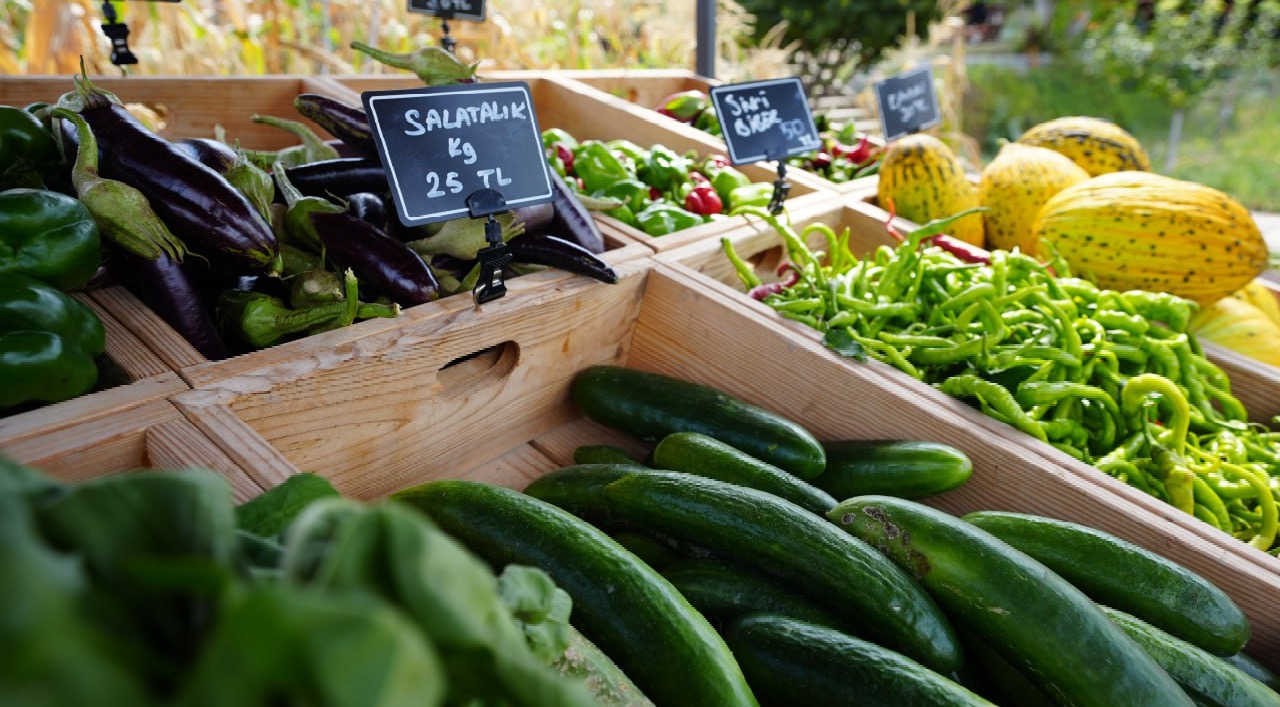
x=540 y=608
x=843 y=343
x=271 y=512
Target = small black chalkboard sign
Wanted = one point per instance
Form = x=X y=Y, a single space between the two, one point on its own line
x=450 y=9
x=765 y=120
x=441 y=144
x=907 y=103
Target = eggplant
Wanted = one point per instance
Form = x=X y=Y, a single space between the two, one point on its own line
x=537 y=218
x=368 y=207
x=347 y=123
x=215 y=155
x=345 y=175
x=380 y=261
x=199 y=205
x=571 y=220
x=167 y=288
x=545 y=249
x=344 y=150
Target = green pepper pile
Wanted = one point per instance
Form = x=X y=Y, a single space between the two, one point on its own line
x=844 y=155
x=656 y=190
x=1111 y=378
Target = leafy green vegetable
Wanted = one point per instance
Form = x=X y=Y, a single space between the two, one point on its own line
x=280 y=645
x=843 y=343
x=272 y=511
x=540 y=608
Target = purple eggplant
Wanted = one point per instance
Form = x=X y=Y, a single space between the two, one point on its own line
x=347 y=123
x=559 y=253
x=368 y=207
x=215 y=155
x=571 y=220
x=346 y=175
x=167 y=288
x=380 y=261
x=537 y=218
x=199 y=205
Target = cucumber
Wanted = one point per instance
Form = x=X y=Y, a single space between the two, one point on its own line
x=1255 y=670
x=654 y=553
x=696 y=453
x=1127 y=577
x=1045 y=627
x=987 y=673
x=790 y=662
x=602 y=454
x=902 y=468
x=763 y=532
x=651 y=406
x=1207 y=678
x=609 y=685
x=625 y=607
x=722 y=592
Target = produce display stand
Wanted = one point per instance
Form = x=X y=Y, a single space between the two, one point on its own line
x=590 y=114
x=1255 y=383
x=642 y=89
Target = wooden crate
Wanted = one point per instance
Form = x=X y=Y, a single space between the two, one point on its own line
x=590 y=114
x=1257 y=384
x=140 y=432
x=380 y=412
x=130 y=374
x=645 y=88
x=763 y=248
x=191 y=107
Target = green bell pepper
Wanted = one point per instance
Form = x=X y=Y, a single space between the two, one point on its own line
x=661 y=218
x=554 y=136
x=751 y=195
x=725 y=180
x=25 y=148
x=708 y=121
x=633 y=192
x=598 y=167
x=48 y=342
x=630 y=149
x=48 y=236
x=665 y=170
x=624 y=214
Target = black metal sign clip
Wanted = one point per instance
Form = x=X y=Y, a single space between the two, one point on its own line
x=484 y=203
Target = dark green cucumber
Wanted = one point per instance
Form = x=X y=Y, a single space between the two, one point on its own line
x=604 y=680
x=1122 y=575
x=625 y=607
x=790 y=662
x=696 y=453
x=602 y=454
x=723 y=591
x=902 y=468
x=1041 y=624
x=763 y=532
x=651 y=406
x=653 y=552
x=987 y=673
x=1255 y=670
x=1206 y=677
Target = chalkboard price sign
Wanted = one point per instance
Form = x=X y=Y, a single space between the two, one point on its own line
x=907 y=103
x=441 y=144
x=765 y=120
x=450 y=9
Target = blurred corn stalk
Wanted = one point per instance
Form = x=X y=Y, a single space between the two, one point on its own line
x=253 y=37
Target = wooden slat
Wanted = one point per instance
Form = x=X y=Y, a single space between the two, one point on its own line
x=264 y=466
x=147 y=326
x=177 y=444
x=77 y=452
x=558 y=444
x=98 y=407
x=687 y=325
x=515 y=469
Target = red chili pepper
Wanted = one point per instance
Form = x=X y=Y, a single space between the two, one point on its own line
x=704 y=201
x=698 y=178
x=654 y=194
x=759 y=292
x=862 y=152
x=664 y=111
x=581 y=185
x=566 y=156
x=719 y=160
x=964 y=251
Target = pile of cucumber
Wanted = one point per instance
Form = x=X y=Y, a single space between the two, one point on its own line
x=743 y=562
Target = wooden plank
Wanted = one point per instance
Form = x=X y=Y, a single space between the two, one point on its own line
x=558 y=444
x=86 y=450
x=177 y=444
x=124 y=348
x=264 y=466
x=373 y=411
x=687 y=325
x=97 y=407
x=167 y=344
x=515 y=469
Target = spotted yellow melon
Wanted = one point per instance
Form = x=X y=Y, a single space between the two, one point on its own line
x=1099 y=146
x=1144 y=231
x=1238 y=325
x=925 y=180
x=1015 y=185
